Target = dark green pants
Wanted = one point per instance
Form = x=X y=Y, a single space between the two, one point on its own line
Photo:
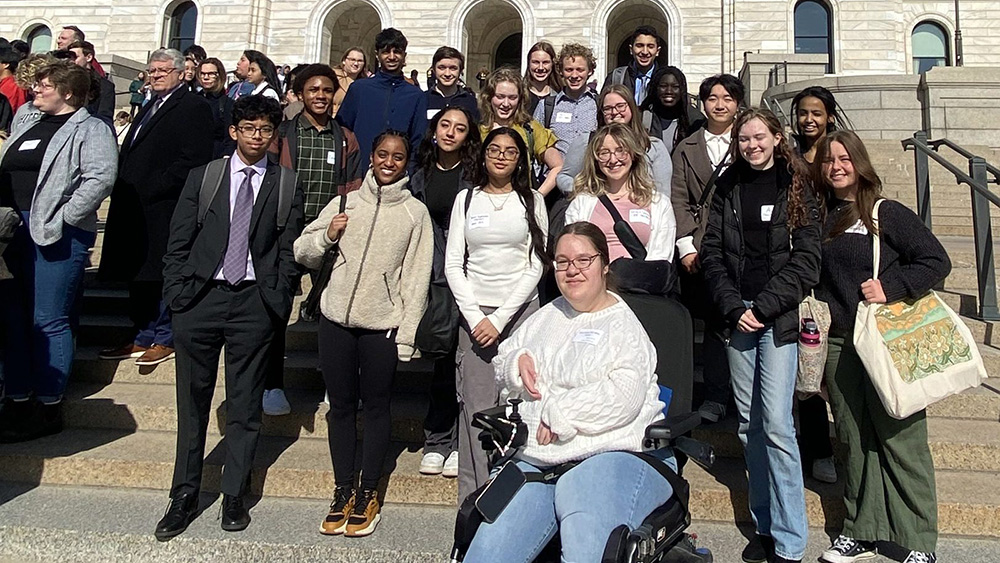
x=890 y=494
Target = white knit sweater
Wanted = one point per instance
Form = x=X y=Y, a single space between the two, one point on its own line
x=596 y=377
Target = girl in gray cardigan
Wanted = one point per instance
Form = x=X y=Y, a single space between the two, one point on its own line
x=58 y=165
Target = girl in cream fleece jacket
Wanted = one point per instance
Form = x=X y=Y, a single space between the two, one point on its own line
x=370 y=312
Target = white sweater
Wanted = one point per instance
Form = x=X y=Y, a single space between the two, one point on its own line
x=662 y=228
x=503 y=271
x=595 y=375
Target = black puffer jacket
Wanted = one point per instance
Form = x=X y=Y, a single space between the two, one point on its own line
x=795 y=256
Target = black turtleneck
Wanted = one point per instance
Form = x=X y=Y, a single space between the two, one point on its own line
x=758 y=195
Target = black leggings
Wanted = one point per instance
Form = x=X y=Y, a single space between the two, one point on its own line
x=357 y=363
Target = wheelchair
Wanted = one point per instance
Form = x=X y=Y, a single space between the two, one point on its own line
x=661 y=538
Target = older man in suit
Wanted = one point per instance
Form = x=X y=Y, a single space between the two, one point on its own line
x=169 y=137
x=228 y=277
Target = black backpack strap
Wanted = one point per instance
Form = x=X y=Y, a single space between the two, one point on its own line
x=550 y=107
x=215 y=171
x=639 y=253
x=340 y=142
x=287 y=182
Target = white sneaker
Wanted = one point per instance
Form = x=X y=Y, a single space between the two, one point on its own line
x=825 y=470
x=432 y=464
x=711 y=411
x=275 y=403
x=451 y=466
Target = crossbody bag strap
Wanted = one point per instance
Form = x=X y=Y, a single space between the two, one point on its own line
x=710 y=185
x=606 y=201
x=468 y=202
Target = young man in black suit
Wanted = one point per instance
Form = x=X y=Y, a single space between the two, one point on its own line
x=228 y=280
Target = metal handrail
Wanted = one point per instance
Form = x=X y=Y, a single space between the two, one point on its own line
x=982 y=197
x=774 y=107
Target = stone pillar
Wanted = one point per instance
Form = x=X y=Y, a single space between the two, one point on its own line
x=960 y=103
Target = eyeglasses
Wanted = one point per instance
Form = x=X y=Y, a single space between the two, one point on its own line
x=208 y=74
x=358 y=61
x=508 y=153
x=581 y=263
x=160 y=71
x=617 y=108
x=249 y=130
x=604 y=155
x=42 y=86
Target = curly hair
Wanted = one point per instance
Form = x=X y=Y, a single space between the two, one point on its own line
x=29 y=67
x=798 y=213
x=640 y=181
x=427 y=152
x=573 y=50
x=505 y=74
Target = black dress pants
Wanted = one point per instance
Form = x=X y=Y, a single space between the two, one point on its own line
x=237 y=318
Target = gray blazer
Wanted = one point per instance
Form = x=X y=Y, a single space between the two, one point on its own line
x=78 y=171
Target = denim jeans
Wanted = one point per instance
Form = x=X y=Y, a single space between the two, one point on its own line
x=38 y=303
x=763 y=379
x=584 y=506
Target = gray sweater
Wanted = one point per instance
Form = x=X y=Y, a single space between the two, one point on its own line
x=78 y=171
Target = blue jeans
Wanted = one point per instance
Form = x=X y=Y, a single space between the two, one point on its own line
x=584 y=506
x=38 y=303
x=763 y=379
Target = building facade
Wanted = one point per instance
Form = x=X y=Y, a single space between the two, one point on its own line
x=702 y=37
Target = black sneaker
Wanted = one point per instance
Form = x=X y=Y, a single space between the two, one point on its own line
x=920 y=557
x=759 y=550
x=848 y=550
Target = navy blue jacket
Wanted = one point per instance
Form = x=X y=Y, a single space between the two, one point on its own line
x=464 y=98
x=383 y=102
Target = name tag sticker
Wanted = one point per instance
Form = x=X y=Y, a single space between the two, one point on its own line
x=589 y=336
x=765 y=213
x=857 y=228
x=479 y=221
x=564 y=117
x=331 y=157
x=29 y=145
x=638 y=216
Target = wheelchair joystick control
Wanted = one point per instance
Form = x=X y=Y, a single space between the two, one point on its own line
x=515 y=416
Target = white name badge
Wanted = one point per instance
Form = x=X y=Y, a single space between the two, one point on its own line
x=765 y=213
x=479 y=221
x=857 y=228
x=589 y=336
x=638 y=216
x=431 y=113
x=331 y=157
x=564 y=117
x=29 y=145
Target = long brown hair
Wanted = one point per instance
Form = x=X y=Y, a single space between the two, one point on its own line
x=505 y=74
x=869 y=184
x=636 y=122
x=554 y=82
x=798 y=213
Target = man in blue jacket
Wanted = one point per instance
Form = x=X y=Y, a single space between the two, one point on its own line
x=386 y=100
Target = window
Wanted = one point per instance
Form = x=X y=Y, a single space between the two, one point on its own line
x=813 y=32
x=181 y=26
x=930 y=47
x=39 y=39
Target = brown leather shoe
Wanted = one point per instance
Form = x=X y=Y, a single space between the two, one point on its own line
x=155 y=355
x=123 y=352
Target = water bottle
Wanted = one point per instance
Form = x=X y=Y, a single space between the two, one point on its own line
x=809 y=333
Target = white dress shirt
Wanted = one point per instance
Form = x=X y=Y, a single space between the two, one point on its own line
x=236 y=167
x=718 y=146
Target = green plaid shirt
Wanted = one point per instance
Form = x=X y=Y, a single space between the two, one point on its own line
x=317 y=177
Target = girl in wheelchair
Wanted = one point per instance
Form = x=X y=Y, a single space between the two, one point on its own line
x=584 y=367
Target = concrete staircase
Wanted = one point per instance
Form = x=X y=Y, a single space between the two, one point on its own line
x=122 y=421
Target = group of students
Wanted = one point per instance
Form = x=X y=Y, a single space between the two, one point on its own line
x=402 y=189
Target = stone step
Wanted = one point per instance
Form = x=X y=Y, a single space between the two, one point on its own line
x=141 y=407
x=968 y=502
x=956 y=444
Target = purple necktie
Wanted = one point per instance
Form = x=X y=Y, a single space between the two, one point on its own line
x=234 y=267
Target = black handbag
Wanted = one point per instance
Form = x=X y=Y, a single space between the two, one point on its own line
x=636 y=274
x=438 y=328
x=311 y=304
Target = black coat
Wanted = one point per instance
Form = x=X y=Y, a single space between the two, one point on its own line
x=194 y=255
x=418 y=187
x=222 y=112
x=795 y=256
x=152 y=169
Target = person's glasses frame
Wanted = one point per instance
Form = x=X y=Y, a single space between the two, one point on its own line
x=159 y=71
x=266 y=131
x=581 y=263
x=619 y=108
x=604 y=155
x=509 y=153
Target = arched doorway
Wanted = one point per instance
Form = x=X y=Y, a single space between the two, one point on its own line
x=623 y=20
x=353 y=23
x=492 y=37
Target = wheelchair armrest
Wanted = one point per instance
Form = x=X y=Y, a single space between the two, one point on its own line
x=670 y=428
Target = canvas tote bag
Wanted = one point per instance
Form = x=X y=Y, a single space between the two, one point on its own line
x=916 y=352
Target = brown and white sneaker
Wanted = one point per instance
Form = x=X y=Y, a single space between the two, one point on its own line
x=366 y=515
x=340 y=510
x=156 y=354
x=123 y=352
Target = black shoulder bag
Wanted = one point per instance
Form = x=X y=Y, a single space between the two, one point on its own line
x=707 y=192
x=438 y=328
x=636 y=274
x=311 y=304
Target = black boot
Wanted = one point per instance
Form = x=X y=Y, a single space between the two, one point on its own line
x=235 y=517
x=30 y=420
x=179 y=514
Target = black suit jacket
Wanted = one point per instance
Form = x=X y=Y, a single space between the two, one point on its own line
x=194 y=255
x=152 y=169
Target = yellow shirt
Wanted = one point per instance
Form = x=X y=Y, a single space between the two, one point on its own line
x=544 y=138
